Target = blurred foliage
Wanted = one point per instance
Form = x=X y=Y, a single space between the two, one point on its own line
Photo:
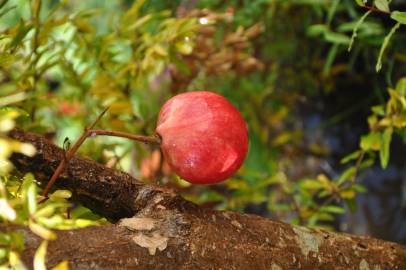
x=19 y=207
x=63 y=62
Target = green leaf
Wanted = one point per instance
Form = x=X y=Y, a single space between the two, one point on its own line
x=367 y=163
x=378 y=110
x=360 y=3
x=384 y=45
x=61 y=194
x=3 y=253
x=399 y=16
x=22 y=31
x=350 y=157
x=15 y=111
x=325 y=217
x=316 y=29
x=336 y=38
x=333 y=209
x=47 y=211
x=401 y=87
x=385 y=149
x=332 y=10
x=354 y=32
x=311 y=184
x=2 y=13
x=3 y=3
x=382 y=5
x=359 y=188
x=352 y=205
x=347 y=174
x=371 y=141
x=39 y=258
x=332 y=53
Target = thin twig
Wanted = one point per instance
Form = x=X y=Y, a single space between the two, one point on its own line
x=141 y=138
x=69 y=155
x=357 y=167
x=374 y=9
x=297 y=209
x=90 y=132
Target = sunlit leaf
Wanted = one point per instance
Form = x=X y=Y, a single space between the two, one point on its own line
x=399 y=16
x=311 y=184
x=6 y=211
x=15 y=261
x=41 y=231
x=39 y=257
x=64 y=265
x=3 y=253
x=371 y=141
x=61 y=194
x=382 y=5
x=32 y=198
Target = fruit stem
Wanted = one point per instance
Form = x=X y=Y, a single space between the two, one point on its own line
x=90 y=132
x=146 y=139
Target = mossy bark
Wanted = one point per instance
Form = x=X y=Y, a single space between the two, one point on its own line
x=157 y=229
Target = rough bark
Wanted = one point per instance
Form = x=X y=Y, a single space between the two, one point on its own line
x=160 y=230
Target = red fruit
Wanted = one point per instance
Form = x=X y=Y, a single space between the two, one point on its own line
x=204 y=137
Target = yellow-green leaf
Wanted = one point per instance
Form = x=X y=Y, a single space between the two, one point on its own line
x=350 y=157
x=6 y=211
x=39 y=257
x=382 y=5
x=384 y=45
x=64 y=265
x=32 y=198
x=399 y=16
x=15 y=262
x=41 y=231
x=61 y=194
x=347 y=194
x=385 y=149
x=372 y=141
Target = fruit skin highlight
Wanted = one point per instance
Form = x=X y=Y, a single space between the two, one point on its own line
x=204 y=137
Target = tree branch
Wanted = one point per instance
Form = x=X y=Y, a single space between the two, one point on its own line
x=167 y=232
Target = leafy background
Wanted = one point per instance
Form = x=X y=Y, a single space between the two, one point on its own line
x=321 y=85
